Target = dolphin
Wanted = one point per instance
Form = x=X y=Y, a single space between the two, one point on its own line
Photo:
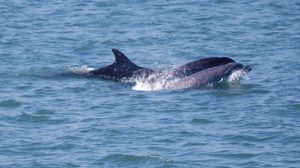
x=124 y=68
x=208 y=76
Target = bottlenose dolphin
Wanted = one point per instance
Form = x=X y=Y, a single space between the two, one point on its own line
x=208 y=76
x=123 y=68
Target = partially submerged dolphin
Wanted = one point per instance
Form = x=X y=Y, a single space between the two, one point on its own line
x=123 y=68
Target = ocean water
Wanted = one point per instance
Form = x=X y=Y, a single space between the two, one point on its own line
x=51 y=116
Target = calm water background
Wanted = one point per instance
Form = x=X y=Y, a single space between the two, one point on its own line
x=51 y=119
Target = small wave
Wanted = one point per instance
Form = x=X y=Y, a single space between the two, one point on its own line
x=10 y=103
x=32 y=117
x=127 y=159
x=199 y=121
x=38 y=118
x=235 y=155
x=81 y=70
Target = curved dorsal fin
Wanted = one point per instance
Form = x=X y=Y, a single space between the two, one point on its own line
x=120 y=57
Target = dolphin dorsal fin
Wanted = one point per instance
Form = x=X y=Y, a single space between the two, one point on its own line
x=120 y=57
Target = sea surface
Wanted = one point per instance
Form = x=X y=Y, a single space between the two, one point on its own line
x=51 y=116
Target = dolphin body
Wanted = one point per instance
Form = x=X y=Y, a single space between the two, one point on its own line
x=123 y=68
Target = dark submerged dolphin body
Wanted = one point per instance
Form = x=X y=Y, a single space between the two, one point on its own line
x=123 y=68
x=208 y=76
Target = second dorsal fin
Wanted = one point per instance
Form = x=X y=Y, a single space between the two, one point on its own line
x=120 y=57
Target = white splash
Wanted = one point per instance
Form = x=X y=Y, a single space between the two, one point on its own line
x=238 y=76
x=154 y=82
x=150 y=83
x=81 y=69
